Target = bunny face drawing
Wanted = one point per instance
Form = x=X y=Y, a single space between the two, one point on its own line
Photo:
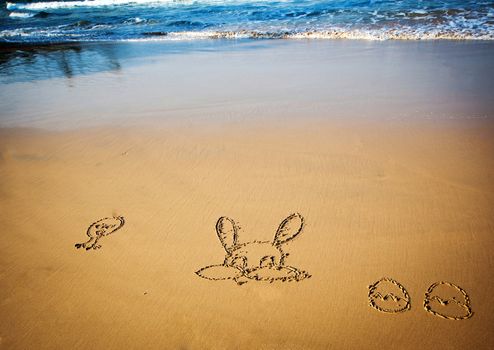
x=256 y=260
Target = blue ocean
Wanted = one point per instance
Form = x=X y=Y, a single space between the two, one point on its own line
x=117 y=20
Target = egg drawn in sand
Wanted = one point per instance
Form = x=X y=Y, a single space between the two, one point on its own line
x=447 y=300
x=101 y=228
x=388 y=295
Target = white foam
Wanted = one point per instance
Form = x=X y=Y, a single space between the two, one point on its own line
x=21 y=14
x=84 y=3
x=40 y=6
x=373 y=35
x=135 y=20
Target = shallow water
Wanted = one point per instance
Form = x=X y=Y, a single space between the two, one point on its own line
x=64 y=21
x=223 y=80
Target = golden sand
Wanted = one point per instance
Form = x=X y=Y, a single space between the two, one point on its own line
x=412 y=201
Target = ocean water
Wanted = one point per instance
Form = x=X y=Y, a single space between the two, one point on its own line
x=116 y=20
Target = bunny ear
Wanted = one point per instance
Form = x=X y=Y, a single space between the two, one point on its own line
x=227 y=232
x=289 y=229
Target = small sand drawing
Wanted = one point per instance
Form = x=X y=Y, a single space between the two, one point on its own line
x=256 y=260
x=448 y=301
x=388 y=295
x=101 y=228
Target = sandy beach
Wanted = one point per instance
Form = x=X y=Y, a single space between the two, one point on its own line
x=390 y=167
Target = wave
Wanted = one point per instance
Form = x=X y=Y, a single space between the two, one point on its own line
x=117 y=20
x=136 y=20
x=71 y=4
x=89 y=32
x=21 y=14
x=374 y=35
x=39 y=6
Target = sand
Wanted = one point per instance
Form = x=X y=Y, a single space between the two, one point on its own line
x=407 y=198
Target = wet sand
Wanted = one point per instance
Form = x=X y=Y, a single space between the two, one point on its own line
x=386 y=187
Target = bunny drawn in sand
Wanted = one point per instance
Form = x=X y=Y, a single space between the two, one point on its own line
x=256 y=260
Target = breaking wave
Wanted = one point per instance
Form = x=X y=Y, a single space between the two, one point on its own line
x=237 y=19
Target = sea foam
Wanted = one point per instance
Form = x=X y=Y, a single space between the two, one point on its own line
x=21 y=14
x=116 y=20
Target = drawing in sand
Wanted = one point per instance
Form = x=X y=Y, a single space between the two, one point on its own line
x=388 y=295
x=101 y=228
x=255 y=260
x=447 y=300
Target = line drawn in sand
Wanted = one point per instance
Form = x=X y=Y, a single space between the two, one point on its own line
x=256 y=260
x=101 y=228
x=447 y=300
x=388 y=295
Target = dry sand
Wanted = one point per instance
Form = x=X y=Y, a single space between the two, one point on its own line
x=412 y=202
x=408 y=199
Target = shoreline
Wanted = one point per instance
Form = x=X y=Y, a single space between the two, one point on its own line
x=383 y=151
x=247 y=79
x=226 y=37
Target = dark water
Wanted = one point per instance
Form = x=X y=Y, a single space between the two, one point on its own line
x=110 y=20
x=30 y=62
